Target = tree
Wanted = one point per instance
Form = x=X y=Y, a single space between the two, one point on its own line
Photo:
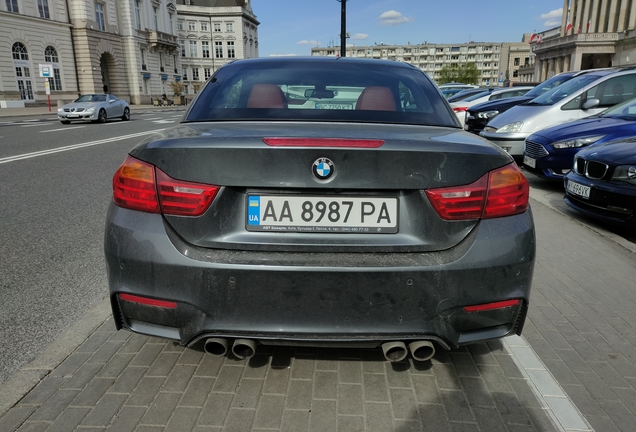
x=466 y=73
x=177 y=88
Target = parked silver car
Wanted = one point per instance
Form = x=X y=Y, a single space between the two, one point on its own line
x=580 y=97
x=95 y=108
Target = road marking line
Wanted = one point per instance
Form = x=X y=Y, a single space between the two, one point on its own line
x=38 y=124
x=74 y=146
x=554 y=401
x=164 y=121
x=154 y=118
x=62 y=129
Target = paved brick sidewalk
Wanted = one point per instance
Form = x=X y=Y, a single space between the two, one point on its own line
x=581 y=325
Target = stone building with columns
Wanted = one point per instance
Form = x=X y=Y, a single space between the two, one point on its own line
x=593 y=34
x=211 y=34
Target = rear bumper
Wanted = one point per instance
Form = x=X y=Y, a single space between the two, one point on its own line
x=319 y=298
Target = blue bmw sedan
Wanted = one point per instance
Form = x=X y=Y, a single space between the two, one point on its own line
x=549 y=153
x=602 y=183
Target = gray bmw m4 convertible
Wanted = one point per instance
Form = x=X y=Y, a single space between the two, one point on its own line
x=320 y=202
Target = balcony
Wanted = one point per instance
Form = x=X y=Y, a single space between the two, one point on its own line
x=605 y=40
x=157 y=39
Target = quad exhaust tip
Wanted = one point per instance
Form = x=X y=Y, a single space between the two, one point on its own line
x=244 y=348
x=216 y=346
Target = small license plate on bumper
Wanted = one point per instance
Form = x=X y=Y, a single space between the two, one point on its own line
x=578 y=189
x=527 y=160
x=291 y=213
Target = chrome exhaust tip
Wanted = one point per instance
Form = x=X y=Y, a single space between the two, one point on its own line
x=244 y=348
x=394 y=351
x=422 y=350
x=215 y=346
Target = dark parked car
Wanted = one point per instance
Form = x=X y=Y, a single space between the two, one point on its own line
x=320 y=201
x=468 y=93
x=549 y=153
x=602 y=183
x=478 y=116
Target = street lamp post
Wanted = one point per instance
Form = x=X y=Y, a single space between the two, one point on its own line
x=343 y=28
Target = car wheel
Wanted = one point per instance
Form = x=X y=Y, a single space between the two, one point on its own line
x=126 y=115
x=65 y=122
x=101 y=118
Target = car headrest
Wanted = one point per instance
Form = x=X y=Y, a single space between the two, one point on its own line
x=376 y=98
x=266 y=96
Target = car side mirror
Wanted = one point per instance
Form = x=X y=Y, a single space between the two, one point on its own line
x=591 y=103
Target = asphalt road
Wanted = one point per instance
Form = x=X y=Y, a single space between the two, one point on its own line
x=55 y=187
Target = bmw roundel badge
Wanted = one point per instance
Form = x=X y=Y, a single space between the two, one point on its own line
x=323 y=168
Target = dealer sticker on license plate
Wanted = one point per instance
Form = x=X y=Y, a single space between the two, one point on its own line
x=320 y=214
x=578 y=189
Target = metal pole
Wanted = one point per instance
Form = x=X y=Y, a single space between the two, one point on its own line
x=343 y=28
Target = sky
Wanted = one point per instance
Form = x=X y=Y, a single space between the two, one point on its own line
x=293 y=27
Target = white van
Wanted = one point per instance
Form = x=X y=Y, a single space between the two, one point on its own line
x=580 y=97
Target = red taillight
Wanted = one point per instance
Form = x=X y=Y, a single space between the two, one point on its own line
x=502 y=192
x=136 y=183
x=183 y=198
x=148 y=301
x=134 y=186
x=323 y=142
x=460 y=109
x=491 y=306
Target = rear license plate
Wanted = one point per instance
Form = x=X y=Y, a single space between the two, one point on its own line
x=322 y=214
x=578 y=189
x=527 y=160
x=334 y=106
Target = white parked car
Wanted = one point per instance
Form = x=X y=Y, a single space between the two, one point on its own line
x=94 y=108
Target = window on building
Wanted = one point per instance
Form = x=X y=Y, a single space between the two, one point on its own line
x=161 y=68
x=193 y=48
x=515 y=73
x=204 y=26
x=229 y=27
x=171 y=23
x=516 y=62
x=43 y=8
x=180 y=25
x=182 y=46
x=143 y=60
x=155 y=17
x=185 y=89
x=12 y=6
x=217 y=27
x=137 y=15
x=230 y=50
x=50 y=56
x=205 y=49
x=192 y=26
x=99 y=16
x=20 y=52
x=207 y=73
x=185 y=73
x=195 y=74
x=218 y=49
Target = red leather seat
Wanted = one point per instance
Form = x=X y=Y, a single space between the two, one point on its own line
x=376 y=98
x=266 y=96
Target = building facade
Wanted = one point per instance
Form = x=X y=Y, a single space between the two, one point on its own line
x=495 y=61
x=211 y=34
x=593 y=34
x=35 y=33
x=125 y=47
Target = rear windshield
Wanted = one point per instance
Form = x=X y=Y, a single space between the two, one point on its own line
x=564 y=90
x=321 y=91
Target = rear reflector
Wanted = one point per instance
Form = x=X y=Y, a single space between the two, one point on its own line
x=138 y=185
x=502 y=192
x=491 y=306
x=148 y=301
x=460 y=109
x=322 y=142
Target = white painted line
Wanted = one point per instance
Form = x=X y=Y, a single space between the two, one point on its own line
x=155 y=118
x=74 y=146
x=164 y=121
x=554 y=401
x=62 y=129
x=37 y=124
